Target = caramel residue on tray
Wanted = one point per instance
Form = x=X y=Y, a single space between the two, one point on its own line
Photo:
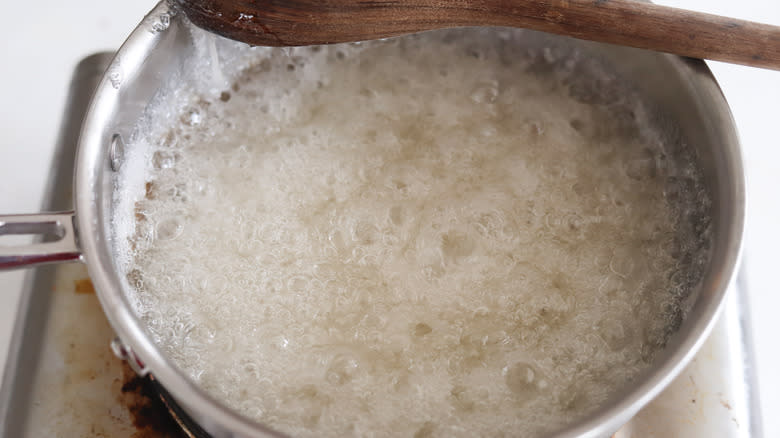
x=84 y=286
x=148 y=413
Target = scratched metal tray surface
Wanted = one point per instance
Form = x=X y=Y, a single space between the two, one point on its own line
x=62 y=379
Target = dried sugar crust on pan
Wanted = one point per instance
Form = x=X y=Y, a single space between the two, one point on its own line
x=445 y=235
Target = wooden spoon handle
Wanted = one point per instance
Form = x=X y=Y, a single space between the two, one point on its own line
x=624 y=22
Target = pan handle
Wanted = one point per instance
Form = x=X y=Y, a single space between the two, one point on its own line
x=58 y=244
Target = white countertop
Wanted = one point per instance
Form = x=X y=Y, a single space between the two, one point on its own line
x=42 y=42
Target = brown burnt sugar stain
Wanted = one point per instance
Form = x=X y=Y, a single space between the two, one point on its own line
x=148 y=413
x=91 y=393
x=84 y=286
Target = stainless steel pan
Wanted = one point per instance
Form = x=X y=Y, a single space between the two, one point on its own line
x=165 y=52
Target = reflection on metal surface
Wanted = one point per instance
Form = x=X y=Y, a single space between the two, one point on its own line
x=116 y=152
x=187 y=425
x=125 y=353
x=715 y=395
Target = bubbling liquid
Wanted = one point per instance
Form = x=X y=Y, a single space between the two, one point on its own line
x=429 y=236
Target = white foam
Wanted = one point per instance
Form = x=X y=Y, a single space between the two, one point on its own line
x=412 y=237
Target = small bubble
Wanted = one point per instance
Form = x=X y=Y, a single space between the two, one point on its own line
x=169 y=229
x=610 y=285
x=461 y=399
x=396 y=215
x=177 y=192
x=364 y=233
x=168 y=140
x=583 y=188
x=204 y=332
x=621 y=265
x=615 y=334
x=481 y=311
x=164 y=159
x=297 y=283
x=456 y=246
x=135 y=279
x=144 y=232
x=251 y=368
x=281 y=342
x=672 y=246
x=191 y=117
x=676 y=278
x=335 y=238
x=342 y=369
x=523 y=380
x=485 y=93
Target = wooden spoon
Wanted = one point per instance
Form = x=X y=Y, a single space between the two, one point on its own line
x=625 y=22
